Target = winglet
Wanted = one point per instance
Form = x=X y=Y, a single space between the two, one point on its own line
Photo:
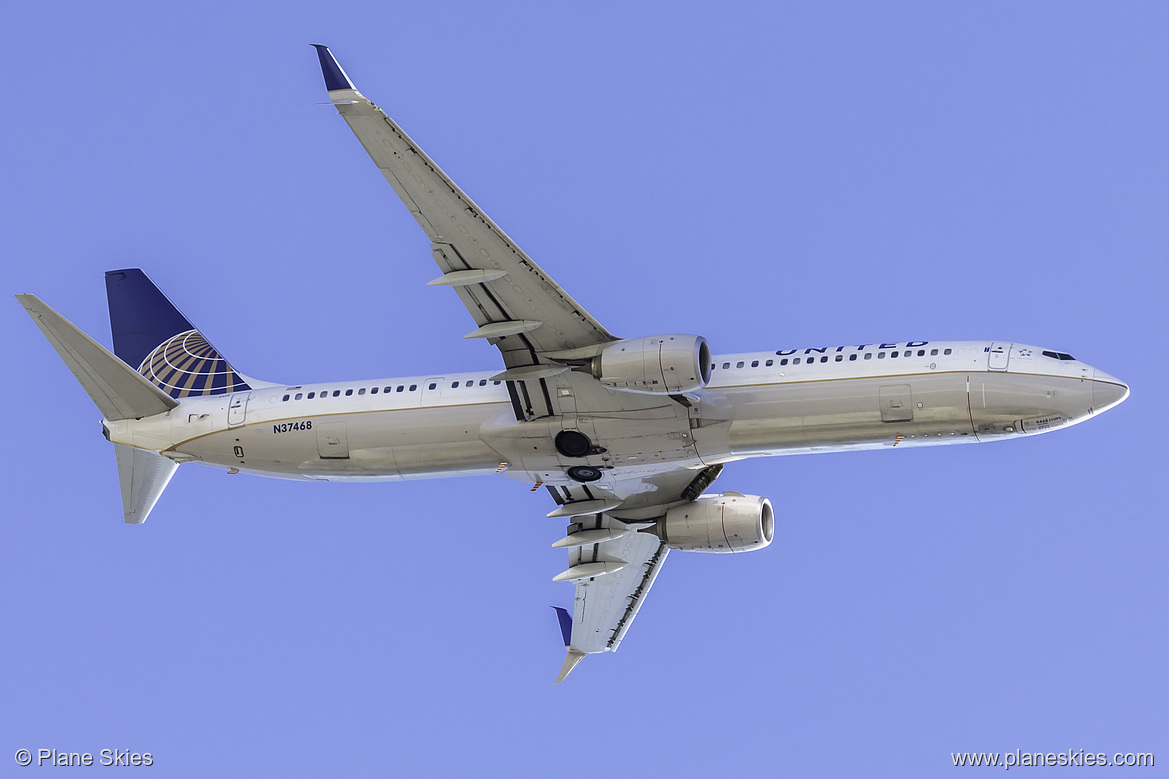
x=565 y=624
x=569 y=663
x=335 y=77
x=574 y=657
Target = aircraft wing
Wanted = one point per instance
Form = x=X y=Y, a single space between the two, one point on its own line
x=613 y=559
x=515 y=304
x=538 y=328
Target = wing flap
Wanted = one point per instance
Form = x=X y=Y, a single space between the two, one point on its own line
x=605 y=605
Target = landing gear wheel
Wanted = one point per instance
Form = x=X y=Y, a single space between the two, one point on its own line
x=572 y=443
x=584 y=473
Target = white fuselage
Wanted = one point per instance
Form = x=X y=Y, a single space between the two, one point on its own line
x=834 y=399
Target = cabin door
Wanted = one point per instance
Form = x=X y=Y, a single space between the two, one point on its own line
x=237 y=408
x=1000 y=355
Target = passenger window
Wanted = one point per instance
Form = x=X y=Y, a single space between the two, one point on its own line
x=389 y=389
x=312 y=395
x=348 y=392
x=892 y=354
x=373 y=391
x=496 y=383
x=482 y=382
x=933 y=352
x=432 y=385
x=298 y=396
x=852 y=358
x=769 y=363
x=796 y=361
x=726 y=365
x=948 y=351
x=361 y=391
x=285 y=397
x=754 y=363
x=783 y=361
x=880 y=355
x=739 y=364
x=840 y=358
x=336 y=393
x=454 y=385
x=868 y=355
x=824 y=358
x=921 y=352
x=415 y=386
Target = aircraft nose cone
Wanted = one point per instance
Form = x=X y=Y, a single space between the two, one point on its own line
x=1107 y=391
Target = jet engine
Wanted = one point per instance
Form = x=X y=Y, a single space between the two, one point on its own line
x=655 y=365
x=730 y=522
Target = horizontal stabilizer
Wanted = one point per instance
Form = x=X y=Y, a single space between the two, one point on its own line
x=143 y=476
x=118 y=390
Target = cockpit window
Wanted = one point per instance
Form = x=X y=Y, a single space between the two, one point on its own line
x=1058 y=355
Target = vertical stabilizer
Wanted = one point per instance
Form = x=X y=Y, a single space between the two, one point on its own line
x=153 y=337
x=143 y=476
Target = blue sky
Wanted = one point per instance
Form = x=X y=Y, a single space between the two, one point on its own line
x=820 y=173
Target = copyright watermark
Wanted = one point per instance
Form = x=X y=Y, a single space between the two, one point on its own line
x=1072 y=757
x=106 y=757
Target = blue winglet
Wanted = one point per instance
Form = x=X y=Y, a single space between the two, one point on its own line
x=565 y=624
x=335 y=77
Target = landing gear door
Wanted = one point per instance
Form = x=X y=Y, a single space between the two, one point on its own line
x=237 y=409
x=1000 y=355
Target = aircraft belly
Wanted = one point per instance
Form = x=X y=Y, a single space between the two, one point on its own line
x=623 y=437
x=854 y=413
x=999 y=401
x=377 y=445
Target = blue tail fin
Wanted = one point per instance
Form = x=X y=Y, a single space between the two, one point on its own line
x=152 y=336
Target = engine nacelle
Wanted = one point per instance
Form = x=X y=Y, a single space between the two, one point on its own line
x=730 y=522
x=656 y=365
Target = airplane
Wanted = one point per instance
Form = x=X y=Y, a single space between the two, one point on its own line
x=625 y=434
